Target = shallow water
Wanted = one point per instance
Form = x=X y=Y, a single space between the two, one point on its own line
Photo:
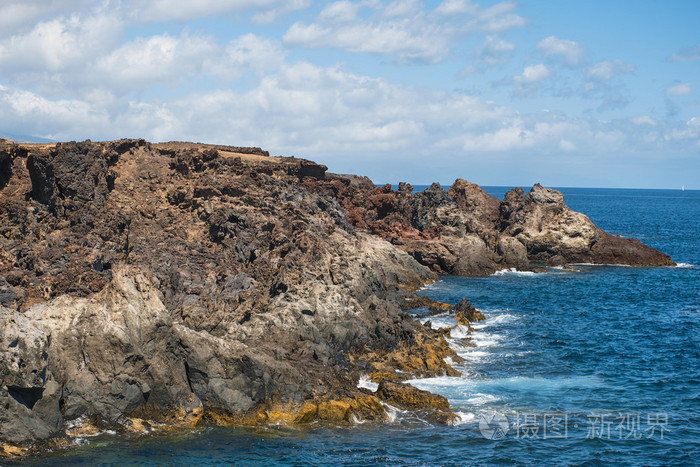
x=594 y=366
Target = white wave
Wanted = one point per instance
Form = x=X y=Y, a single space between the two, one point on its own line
x=460 y=332
x=439 y=321
x=470 y=355
x=464 y=418
x=684 y=265
x=80 y=441
x=514 y=272
x=439 y=381
x=394 y=413
x=497 y=319
x=484 y=339
x=479 y=399
x=432 y=285
x=366 y=383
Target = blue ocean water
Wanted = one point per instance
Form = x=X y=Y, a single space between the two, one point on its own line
x=596 y=366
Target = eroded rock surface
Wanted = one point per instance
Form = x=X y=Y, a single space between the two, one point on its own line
x=165 y=281
x=465 y=231
x=179 y=282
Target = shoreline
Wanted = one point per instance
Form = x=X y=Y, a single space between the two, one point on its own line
x=181 y=284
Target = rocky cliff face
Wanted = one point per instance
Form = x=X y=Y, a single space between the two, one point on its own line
x=175 y=282
x=465 y=231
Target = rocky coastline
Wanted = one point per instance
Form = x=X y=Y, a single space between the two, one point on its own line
x=177 y=284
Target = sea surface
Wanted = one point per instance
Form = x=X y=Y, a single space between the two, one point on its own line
x=595 y=366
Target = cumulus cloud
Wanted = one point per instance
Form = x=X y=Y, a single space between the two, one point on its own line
x=606 y=70
x=680 y=89
x=402 y=29
x=16 y=15
x=155 y=59
x=180 y=10
x=60 y=43
x=571 y=52
x=533 y=74
x=29 y=113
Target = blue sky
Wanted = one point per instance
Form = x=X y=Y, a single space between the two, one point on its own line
x=565 y=93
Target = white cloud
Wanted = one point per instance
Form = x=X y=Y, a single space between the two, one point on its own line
x=166 y=59
x=181 y=10
x=499 y=18
x=269 y=15
x=606 y=70
x=644 y=120
x=156 y=59
x=533 y=74
x=691 y=130
x=680 y=89
x=494 y=49
x=60 y=44
x=33 y=114
x=566 y=145
x=570 y=51
x=409 y=41
x=403 y=29
x=402 y=8
x=16 y=15
x=457 y=7
x=340 y=12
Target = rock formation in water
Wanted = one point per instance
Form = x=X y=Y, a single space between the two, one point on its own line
x=465 y=231
x=180 y=282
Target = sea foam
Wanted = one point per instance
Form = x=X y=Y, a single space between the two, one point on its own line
x=514 y=272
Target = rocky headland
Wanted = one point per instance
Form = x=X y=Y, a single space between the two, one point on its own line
x=175 y=284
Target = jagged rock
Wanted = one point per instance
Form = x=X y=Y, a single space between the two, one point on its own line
x=553 y=233
x=7 y=294
x=113 y=353
x=25 y=379
x=465 y=313
x=404 y=396
x=176 y=282
x=479 y=205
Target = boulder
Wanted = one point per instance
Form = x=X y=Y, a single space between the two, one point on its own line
x=405 y=396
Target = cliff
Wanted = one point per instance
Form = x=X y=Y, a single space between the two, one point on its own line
x=181 y=282
x=465 y=231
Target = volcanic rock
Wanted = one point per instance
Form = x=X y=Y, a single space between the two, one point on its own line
x=172 y=283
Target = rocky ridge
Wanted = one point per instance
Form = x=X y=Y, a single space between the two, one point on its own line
x=465 y=231
x=178 y=283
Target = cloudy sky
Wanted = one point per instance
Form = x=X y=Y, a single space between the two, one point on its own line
x=566 y=93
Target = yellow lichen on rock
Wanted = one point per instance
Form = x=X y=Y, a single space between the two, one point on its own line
x=82 y=427
x=9 y=450
x=423 y=357
x=405 y=396
x=188 y=414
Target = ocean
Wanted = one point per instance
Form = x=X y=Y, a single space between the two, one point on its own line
x=599 y=365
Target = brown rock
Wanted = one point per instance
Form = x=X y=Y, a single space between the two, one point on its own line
x=465 y=313
x=407 y=397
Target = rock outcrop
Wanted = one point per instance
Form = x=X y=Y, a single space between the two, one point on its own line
x=465 y=231
x=178 y=282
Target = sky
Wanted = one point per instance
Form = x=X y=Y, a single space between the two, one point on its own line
x=588 y=93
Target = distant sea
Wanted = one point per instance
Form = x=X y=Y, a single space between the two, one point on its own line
x=595 y=366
